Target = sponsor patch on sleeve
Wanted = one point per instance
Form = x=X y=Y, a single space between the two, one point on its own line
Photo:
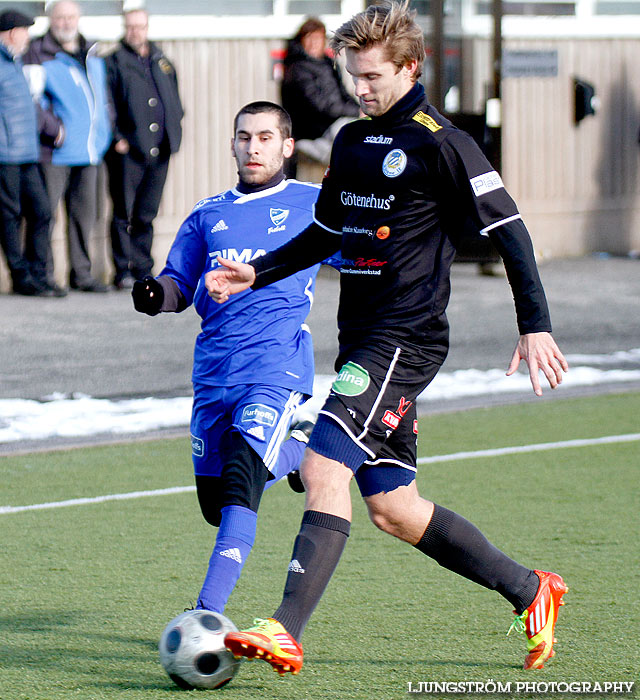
x=427 y=121
x=482 y=184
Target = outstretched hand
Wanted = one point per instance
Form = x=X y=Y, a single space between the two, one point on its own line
x=230 y=278
x=540 y=352
x=148 y=296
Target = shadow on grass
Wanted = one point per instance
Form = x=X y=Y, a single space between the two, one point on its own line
x=413 y=664
x=37 y=622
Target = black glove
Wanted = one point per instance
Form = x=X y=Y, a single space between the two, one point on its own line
x=148 y=296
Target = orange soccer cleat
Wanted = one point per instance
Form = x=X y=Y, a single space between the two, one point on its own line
x=539 y=619
x=267 y=640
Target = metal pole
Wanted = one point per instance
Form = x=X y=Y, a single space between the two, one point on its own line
x=437 y=98
x=496 y=85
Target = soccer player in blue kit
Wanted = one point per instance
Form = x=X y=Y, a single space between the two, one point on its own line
x=400 y=187
x=253 y=361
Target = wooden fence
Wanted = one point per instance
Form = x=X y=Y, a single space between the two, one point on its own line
x=577 y=186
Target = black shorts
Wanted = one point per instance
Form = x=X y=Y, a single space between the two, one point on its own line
x=373 y=401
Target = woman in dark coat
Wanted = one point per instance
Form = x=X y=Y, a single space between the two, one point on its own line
x=312 y=89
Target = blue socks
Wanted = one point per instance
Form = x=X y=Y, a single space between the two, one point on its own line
x=235 y=539
x=289 y=459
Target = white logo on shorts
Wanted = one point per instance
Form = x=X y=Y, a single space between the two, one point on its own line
x=197 y=446
x=259 y=413
x=257 y=431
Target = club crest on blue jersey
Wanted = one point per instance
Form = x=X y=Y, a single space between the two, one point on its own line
x=394 y=163
x=259 y=413
x=278 y=217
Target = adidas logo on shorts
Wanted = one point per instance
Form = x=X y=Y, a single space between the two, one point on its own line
x=257 y=431
x=294 y=565
x=233 y=553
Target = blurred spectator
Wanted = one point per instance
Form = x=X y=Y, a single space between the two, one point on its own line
x=22 y=189
x=74 y=85
x=313 y=92
x=148 y=113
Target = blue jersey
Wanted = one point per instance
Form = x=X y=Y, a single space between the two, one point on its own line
x=256 y=337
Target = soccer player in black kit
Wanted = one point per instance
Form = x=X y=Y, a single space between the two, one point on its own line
x=400 y=186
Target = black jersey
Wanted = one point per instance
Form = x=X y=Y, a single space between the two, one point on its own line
x=399 y=190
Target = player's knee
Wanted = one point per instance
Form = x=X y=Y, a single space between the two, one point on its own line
x=386 y=522
x=209 y=492
x=243 y=475
x=212 y=515
x=322 y=475
x=386 y=517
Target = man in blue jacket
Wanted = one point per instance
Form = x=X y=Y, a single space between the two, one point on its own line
x=75 y=89
x=22 y=189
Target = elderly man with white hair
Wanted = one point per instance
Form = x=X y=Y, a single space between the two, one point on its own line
x=73 y=82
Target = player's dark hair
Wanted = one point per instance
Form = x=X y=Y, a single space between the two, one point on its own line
x=261 y=106
x=390 y=24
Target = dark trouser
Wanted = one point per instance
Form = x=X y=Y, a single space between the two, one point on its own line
x=23 y=195
x=78 y=184
x=136 y=190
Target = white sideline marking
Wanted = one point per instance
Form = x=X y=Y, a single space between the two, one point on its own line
x=97 y=499
x=497 y=452
x=631 y=437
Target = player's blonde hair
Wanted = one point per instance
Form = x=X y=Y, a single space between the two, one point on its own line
x=390 y=24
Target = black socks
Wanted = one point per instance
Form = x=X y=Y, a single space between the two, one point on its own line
x=316 y=552
x=459 y=546
x=451 y=540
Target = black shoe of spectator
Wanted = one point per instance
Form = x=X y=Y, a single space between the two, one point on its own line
x=26 y=288
x=300 y=432
x=90 y=285
x=55 y=290
x=45 y=289
x=124 y=283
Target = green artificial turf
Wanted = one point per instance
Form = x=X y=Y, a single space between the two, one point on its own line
x=85 y=590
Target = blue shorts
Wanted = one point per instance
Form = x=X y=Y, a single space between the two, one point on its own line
x=260 y=413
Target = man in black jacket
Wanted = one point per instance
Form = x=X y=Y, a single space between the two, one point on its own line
x=148 y=115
